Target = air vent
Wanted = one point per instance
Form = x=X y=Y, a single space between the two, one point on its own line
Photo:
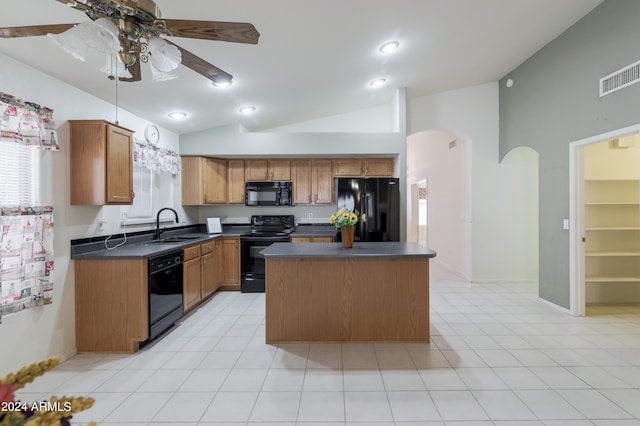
x=452 y=144
x=620 y=79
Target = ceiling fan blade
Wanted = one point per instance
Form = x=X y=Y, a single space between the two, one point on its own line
x=34 y=30
x=134 y=69
x=202 y=67
x=237 y=32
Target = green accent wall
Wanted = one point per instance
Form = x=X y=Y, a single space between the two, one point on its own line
x=555 y=101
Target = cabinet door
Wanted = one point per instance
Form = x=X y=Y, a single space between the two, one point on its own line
x=279 y=170
x=322 y=240
x=215 y=181
x=381 y=167
x=230 y=261
x=209 y=277
x=119 y=158
x=300 y=239
x=235 y=177
x=322 y=182
x=192 y=180
x=192 y=283
x=347 y=168
x=256 y=170
x=301 y=177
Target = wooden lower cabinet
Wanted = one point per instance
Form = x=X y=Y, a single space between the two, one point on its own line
x=230 y=263
x=311 y=239
x=112 y=305
x=192 y=280
x=210 y=273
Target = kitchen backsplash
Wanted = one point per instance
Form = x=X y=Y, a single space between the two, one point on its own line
x=314 y=214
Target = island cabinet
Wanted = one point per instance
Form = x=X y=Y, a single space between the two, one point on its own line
x=366 y=167
x=112 y=305
x=312 y=181
x=235 y=178
x=375 y=292
x=267 y=170
x=101 y=163
x=230 y=263
x=204 y=181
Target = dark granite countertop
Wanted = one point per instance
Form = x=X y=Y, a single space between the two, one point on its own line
x=335 y=250
x=142 y=246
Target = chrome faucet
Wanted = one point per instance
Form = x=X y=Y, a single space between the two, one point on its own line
x=157 y=235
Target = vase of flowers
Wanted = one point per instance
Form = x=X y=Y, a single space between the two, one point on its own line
x=345 y=220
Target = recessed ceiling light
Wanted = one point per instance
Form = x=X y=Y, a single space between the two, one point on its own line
x=247 y=109
x=221 y=83
x=389 y=47
x=178 y=115
x=378 y=82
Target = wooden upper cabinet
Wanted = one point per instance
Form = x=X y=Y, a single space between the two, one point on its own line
x=301 y=178
x=322 y=182
x=204 y=181
x=267 y=170
x=347 y=167
x=235 y=181
x=215 y=181
x=101 y=169
x=382 y=167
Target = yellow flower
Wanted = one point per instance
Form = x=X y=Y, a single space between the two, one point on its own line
x=333 y=218
x=353 y=218
x=339 y=213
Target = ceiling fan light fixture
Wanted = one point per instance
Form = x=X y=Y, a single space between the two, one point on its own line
x=163 y=56
x=114 y=68
x=178 y=115
x=102 y=35
x=157 y=75
x=71 y=42
x=389 y=47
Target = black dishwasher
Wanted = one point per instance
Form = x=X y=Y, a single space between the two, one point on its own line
x=165 y=291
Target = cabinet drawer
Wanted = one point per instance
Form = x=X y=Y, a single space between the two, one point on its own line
x=191 y=252
x=208 y=247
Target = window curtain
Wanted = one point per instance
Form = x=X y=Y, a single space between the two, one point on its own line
x=27 y=123
x=153 y=158
x=26 y=258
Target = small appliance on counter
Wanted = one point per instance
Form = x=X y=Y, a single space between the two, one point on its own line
x=268 y=193
x=265 y=230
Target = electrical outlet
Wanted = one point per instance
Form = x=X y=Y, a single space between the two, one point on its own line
x=310 y=215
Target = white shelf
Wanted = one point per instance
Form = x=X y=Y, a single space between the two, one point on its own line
x=614 y=228
x=612 y=279
x=612 y=253
x=613 y=203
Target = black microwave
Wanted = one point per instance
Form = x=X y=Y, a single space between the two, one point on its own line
x=268 y=194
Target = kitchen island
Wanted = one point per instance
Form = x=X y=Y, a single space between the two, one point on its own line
x=374 y=292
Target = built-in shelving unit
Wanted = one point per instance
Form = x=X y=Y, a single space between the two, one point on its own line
x=612 y=240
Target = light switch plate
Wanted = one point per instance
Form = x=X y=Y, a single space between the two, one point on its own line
x=565 y=224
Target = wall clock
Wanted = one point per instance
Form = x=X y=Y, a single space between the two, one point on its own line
x=152 y=134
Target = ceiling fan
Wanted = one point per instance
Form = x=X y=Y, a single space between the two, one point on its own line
x=133 y=30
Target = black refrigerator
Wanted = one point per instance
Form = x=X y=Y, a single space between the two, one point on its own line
x=378 y=199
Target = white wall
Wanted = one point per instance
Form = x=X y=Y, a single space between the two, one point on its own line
x=49 y=330
x=378 y=119
x=446 y=171
x=503 y=207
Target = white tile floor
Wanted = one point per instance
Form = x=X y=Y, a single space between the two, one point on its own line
x=497 y=356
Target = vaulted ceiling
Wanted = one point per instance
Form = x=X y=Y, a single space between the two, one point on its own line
x=314 y=58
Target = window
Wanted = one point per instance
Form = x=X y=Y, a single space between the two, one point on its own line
x=17 y=174
x=141 y=207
